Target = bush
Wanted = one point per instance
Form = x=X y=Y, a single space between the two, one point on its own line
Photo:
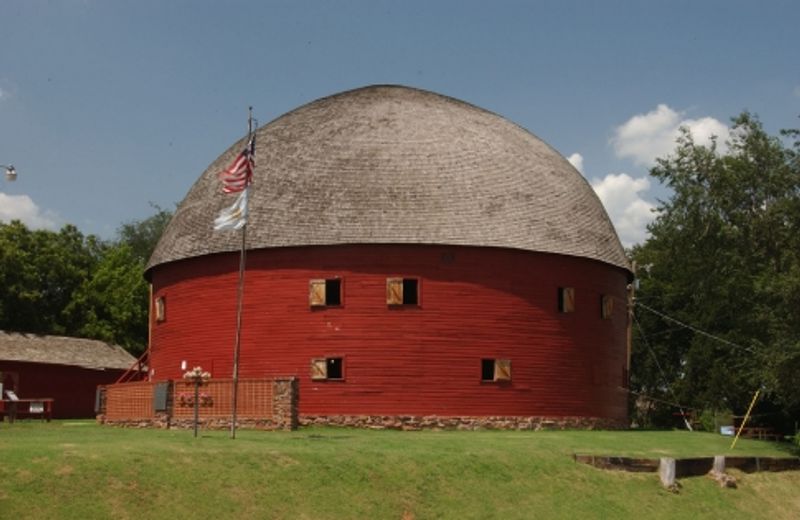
x=711 y=420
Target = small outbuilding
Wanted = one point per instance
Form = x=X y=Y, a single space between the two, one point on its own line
x=67 y=370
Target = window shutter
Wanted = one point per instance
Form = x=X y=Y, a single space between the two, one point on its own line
x=316 y=293
x=319 y=369
x=567 y=299
x=502 y=370
x=394 y=291
x=607 y=306
x=159 y=309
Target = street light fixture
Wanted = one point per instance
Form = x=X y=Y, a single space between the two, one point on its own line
x=11 y=172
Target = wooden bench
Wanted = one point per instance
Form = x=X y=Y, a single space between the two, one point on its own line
x=41 y=408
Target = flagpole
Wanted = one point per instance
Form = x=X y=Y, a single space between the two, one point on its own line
x=239 y=298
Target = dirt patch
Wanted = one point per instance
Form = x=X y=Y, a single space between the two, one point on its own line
x=64 y=471
x=282 y=460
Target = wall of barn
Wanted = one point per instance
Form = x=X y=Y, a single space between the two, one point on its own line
x=73 y=388
x=475 y=303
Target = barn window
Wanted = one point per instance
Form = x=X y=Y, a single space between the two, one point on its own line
x=495 y=370
x=325 y=293
x=402 y=291
x=566 y=299
x=606 y=307
x=160 y=309
x=327 y=368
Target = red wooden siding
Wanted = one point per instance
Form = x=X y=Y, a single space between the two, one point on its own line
x=73 y=388
x=474 y=303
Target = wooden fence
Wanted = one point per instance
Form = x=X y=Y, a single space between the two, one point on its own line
x=261 y=403
x=129 y=401
x=216 y=399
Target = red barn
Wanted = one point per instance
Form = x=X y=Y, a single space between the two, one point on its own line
x=411 y=258
x=67 y=370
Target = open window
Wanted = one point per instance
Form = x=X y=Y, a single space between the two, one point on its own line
x=331 y=368
x=495 y=370
x=325 y=292
x=402 y=291
x=566 y=299
x=606 y=306
x=159 y=308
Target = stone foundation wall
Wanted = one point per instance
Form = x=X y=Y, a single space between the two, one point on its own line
x=413 y=422
x=160 y=421
x=285 y=401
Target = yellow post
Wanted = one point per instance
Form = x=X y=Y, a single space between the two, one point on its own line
x=746 y=416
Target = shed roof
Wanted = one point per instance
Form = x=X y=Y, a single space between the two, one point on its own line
x=392 y=164
x=61 y=350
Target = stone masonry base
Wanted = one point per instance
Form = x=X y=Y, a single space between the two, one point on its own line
x=432 y=422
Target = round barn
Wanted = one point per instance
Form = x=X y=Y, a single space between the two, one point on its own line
x=410 y=257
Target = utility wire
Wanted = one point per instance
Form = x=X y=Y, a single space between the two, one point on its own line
x=690 y=327
x=662 y=401
x=663 y=374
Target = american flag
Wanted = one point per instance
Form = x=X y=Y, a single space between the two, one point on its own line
x=239 y=174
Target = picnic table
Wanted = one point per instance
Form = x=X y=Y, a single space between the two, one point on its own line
x=760 y=433
x=40 y=407
x=763 y=433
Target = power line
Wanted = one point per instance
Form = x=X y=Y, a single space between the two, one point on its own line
x=663 y=374
x=662 y=401
x=693 y=329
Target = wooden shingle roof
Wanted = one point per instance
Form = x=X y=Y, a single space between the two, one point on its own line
x=391 y=164
x=61 y=350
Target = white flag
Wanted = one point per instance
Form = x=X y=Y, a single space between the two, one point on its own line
x=234 y=217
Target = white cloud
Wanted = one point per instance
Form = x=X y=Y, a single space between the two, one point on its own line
x=797 y=91
x=6 y=88
x=644 y=137
x=621 y=195
x=22 y=207
x=576 y=160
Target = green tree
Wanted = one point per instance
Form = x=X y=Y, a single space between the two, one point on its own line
x=66 y=283
x=111 y=304
x=724 y=256
x=39 y=273
x=143 y=235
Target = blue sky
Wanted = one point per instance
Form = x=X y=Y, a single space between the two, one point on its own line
x=108 y=106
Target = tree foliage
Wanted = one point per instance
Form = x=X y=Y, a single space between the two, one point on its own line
x=724 y=256
x=39 y=272
x=142 y=235
x=65 y=283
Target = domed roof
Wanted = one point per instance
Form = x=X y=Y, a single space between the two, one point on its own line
x=391 y=164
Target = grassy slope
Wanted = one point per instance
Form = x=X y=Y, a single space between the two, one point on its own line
x=80 y=470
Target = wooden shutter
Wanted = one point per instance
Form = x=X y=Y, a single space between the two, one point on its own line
x=319 y=369
x=160 y=311
x=567 y=299
x=502 y=370
x=316 y=293
x=394 y=291
x=607 y=306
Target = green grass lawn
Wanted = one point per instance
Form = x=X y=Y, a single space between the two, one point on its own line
x=80 y=470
